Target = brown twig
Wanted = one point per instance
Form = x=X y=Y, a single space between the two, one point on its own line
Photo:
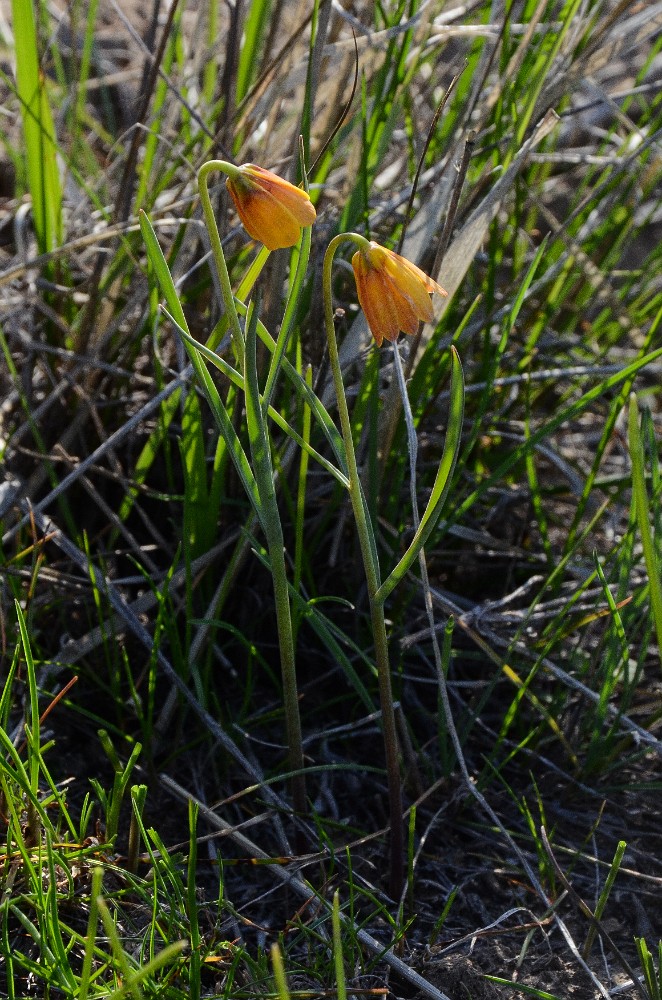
x=445 y=237
x=343 y=113
x=428 y=139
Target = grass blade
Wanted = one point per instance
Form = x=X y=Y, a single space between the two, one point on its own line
x=642 y=507
x=38 y=130
x=442 y=482
x=221 y=415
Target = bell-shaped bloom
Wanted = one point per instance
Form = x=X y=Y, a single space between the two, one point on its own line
x=393 y=293
x=272 y=210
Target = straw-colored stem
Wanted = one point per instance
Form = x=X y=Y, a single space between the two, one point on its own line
x=371 y=568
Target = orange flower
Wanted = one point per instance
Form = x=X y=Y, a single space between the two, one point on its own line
x=393 y=292
x=272 y=210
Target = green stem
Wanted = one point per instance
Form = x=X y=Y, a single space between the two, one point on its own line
x=371 y=567
x=276 y=546
x=217 y=249
x=263 y=469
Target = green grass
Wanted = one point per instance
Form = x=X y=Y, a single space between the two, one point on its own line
x=188 y=629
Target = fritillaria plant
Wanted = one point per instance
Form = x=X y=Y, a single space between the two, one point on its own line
x=395 y=296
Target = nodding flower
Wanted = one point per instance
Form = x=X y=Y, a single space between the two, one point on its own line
x=272 y=210
x=393 y=293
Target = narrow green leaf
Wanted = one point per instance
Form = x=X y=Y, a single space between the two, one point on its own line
x=255 y=24
x=161 y=269
x=38 y=130
x=642 y=507
x=289 y=315
x=257 y=431
x=306 y=393
x=442 y=481
x=237 y=453
x=341 y=987
x=308 y=396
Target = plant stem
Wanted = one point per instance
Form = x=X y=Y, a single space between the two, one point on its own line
x=263 y=471
x=273 y=529
x=275 y=544
x=217 y=251
x=371 y=567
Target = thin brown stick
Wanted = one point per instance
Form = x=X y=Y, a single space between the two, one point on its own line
x=343 y=113
x=428 y=139
x=444 y=239
x=127 y=183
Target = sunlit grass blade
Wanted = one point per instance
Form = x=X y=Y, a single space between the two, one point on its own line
x=90 y=937
x=161 y=270
x=254 y=26
x=338 y=959
x=38 y=130
x=282 y=990
x=604 y=895
x=33 y=727
x=539 y=73
x=529 y=991
x=652 y=976
x=643 y=507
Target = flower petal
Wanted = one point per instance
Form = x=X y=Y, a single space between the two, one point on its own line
x=265 y=219
x=407 y=311
x=295 y=199
x=272 y=210
x=394 y=294
x=374 y=299
x=410 y=276
x=418 y=299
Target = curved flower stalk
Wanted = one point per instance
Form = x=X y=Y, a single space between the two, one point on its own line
x=272 y=211
x=276 y=213
x=394 y=294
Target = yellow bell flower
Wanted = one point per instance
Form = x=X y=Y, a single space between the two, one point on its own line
x=393 y=292
x=272 y=210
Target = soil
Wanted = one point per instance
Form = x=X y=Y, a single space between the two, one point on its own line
x=496 y=924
